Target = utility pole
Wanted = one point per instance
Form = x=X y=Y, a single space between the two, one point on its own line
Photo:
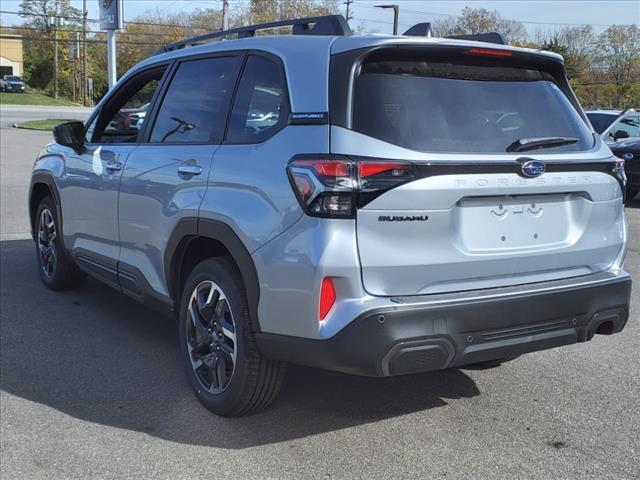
x=84 y=89
x=396 y=13
x=348 y=4
x=55 y=50
x=111 y=20
x=225 y=14
x=111 y=58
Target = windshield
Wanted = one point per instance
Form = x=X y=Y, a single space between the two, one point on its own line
x=601 y=121
x=13 y=79
x=439 y=107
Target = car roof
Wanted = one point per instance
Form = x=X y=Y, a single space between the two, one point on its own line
x=308 y=80
x=605 y=112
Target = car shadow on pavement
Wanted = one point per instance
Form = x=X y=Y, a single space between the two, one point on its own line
x=98 y=356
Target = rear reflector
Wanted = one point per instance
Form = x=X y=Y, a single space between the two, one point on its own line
x=327 y=297
x=489 y=52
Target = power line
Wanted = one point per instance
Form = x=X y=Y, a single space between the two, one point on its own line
x=122 y=42
x=95 y=20
x=438 y=14
x=95 y=32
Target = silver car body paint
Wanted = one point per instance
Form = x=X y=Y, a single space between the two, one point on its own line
x=568 y=231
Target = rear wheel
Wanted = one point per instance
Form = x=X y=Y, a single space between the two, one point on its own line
x=227 y=372
x=57 y=270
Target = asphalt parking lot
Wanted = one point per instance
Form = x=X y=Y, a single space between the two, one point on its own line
x=92 y=387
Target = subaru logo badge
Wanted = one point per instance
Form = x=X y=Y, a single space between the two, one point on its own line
x=533 y=168
x=627 y=156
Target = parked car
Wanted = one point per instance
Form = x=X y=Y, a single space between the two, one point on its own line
x=375 y=205
x=12 y=83
x=629 y=151
x=625 y=126
x=602 y=119
x=128 y=120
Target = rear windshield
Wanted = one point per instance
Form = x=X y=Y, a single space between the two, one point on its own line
x=442 y=107
x=601 y=121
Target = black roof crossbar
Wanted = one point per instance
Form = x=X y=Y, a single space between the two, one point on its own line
x=327 y=25
x=489 y=37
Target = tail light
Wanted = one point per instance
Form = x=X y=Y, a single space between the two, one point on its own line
x=617 y=170
x=335 y=186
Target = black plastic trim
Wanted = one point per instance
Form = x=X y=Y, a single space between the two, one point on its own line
x=191 y=228
x=134 y=284
x=103 y=268
x=416 y=338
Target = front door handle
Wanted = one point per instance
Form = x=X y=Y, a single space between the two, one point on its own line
x=113 y=167
x=189 y=170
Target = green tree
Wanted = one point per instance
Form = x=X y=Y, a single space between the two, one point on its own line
x=480 y=20
x=44 y=16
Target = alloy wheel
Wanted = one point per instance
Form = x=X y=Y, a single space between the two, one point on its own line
x=46 y=247
x=211 y=337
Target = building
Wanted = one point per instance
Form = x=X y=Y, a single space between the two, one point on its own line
x=11 y=55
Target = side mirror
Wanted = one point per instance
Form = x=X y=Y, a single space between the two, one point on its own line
x=620 y=134
x=70 y=134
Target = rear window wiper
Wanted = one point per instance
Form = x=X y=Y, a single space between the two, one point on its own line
x=524 y=144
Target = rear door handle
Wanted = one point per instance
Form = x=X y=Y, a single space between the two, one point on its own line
x=189 y=170
x=113 y=167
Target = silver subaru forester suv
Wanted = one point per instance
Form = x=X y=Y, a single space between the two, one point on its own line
x=376 y=205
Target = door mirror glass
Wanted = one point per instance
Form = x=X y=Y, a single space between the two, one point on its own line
x=70 y=134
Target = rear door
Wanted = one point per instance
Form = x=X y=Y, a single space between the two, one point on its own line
x=165 y=177
x=482 y=212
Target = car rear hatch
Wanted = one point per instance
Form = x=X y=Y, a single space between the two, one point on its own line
x=482 y=208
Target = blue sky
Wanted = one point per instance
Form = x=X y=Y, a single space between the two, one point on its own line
x=539 y=14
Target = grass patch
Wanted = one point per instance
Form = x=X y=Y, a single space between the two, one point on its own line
x=45 y=125
x=33 y=98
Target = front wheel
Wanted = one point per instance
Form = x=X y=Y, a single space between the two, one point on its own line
x=224 y=367
x=57 y=270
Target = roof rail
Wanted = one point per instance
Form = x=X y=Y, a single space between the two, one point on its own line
x=489 y=37
x=327 y=25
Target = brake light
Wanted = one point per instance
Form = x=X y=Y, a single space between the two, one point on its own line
x=327 y=297
x=335 y=187
x=489 y=52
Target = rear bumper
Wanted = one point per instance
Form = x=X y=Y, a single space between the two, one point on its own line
x=419 y=337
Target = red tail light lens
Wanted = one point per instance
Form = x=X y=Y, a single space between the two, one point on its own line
x=327 y=297
x=489 y=52
x=335 y=187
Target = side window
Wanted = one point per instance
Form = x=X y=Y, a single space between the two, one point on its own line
x=123 y=115
x=260 y=107
x=196 y=104
x=630 y=125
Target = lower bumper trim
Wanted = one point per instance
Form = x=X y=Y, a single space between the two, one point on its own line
x=412 y=338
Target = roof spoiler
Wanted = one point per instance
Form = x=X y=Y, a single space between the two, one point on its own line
x=333 y=25
x=489 y=37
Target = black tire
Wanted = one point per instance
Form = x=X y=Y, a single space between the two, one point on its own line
x=254 y=381
x=57 y=271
